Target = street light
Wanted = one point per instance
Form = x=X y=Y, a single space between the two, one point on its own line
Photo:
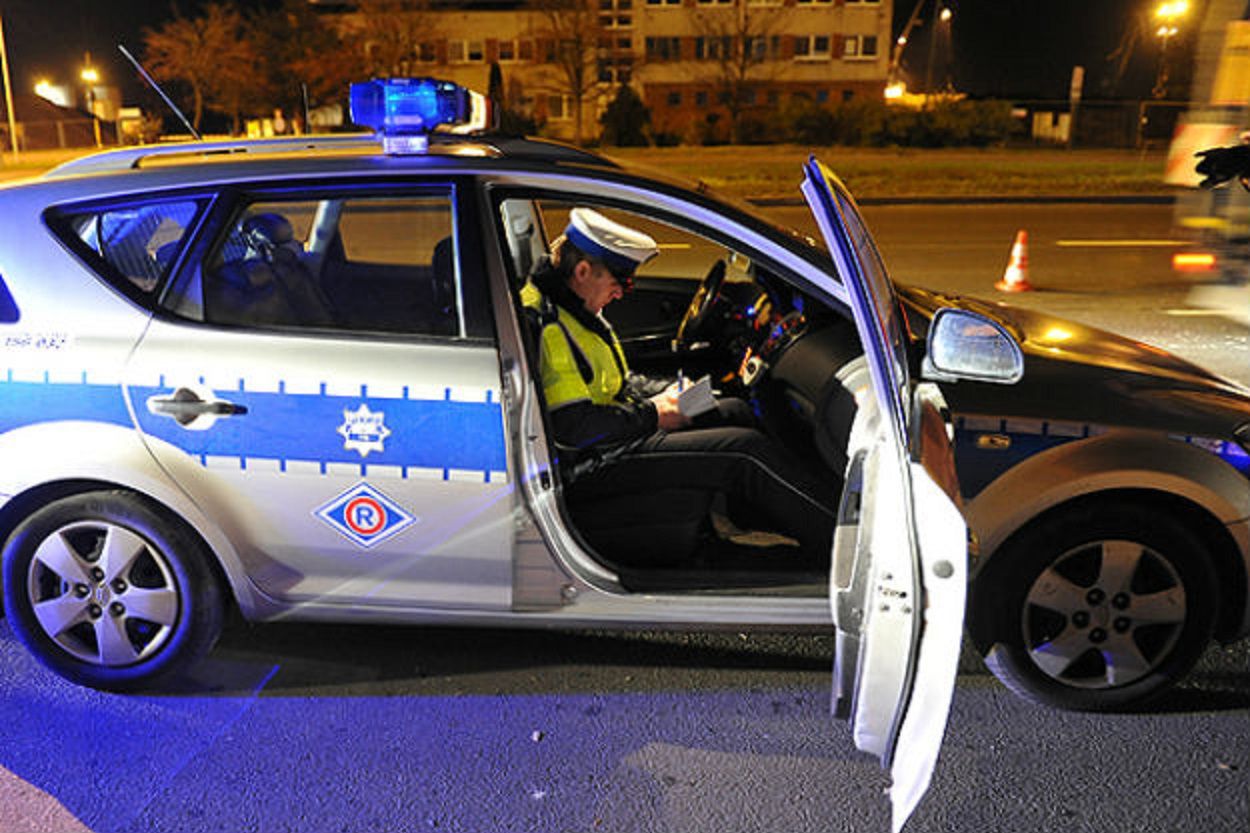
x=944 y=15
x=1168 y=15
x=90 y=77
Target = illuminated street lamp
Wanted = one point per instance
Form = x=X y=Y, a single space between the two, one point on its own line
x=1168 y=15
x=90 y=77
x=944 y=15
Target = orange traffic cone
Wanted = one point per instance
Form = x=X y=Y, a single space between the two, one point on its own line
x=1016 y=275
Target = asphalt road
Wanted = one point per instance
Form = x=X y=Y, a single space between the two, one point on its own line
x=331 y=728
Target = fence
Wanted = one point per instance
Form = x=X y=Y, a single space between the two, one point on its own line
x=1119 y=124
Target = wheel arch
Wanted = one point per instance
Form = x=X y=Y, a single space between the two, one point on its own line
x=71 y=457
x=1227 y=556
x=22 y=505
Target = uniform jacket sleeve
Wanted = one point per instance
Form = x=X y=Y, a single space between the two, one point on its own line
x=584 y=424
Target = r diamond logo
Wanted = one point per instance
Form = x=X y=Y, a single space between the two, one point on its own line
x=365 y=516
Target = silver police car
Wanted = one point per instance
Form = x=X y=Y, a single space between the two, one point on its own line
x=293 y=378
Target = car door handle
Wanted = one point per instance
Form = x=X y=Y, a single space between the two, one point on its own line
x=185 y=406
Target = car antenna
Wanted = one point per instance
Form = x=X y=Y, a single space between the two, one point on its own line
x=152 y=82
x=303 y=89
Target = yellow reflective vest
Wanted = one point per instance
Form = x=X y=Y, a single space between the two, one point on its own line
x=577 y=364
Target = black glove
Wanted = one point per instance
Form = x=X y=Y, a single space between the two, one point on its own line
x=1219 y=165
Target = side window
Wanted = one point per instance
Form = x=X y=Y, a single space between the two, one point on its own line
x=133 y=246
x=378 y=264
x=685 y=255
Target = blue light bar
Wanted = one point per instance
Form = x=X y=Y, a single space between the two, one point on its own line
x=404 y=110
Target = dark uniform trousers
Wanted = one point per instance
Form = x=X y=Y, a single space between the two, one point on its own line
x=760 y=479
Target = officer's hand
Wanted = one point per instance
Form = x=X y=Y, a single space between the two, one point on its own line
x=1218 y=165
x=670 y=416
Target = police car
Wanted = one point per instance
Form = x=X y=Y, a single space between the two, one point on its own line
x=293 y=378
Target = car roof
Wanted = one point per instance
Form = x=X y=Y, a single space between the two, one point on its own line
x=340 y=147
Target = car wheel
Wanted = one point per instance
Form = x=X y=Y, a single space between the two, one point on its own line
x=111 y=592
x=1095 y=609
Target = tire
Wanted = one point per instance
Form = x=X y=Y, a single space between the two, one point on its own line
x=110 y=591
x=1095 y=609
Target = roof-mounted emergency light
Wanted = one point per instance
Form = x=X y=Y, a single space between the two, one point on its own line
x=403 y=111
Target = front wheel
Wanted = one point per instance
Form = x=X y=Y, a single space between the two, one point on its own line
x=109 y=591
x=1095 y=609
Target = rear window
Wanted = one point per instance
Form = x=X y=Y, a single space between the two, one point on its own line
x=133 y=246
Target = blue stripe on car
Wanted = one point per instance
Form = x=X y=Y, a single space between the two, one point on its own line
x=436 y=434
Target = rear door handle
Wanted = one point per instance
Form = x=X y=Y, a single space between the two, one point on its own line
x=186 y=406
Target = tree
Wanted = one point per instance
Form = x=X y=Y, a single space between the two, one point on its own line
x=299 y=52
x=625 y=120
x=388 y=34
x=740 y=46
x=573 y=32
x=210 y=54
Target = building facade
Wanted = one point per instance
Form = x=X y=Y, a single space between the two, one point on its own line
x=704 y=68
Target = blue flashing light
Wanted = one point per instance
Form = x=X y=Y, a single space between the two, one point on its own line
x=403 y=111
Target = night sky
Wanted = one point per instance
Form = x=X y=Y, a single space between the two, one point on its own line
x=1005 y=48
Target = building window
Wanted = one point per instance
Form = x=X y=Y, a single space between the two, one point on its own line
x=748 y=97
x=663 y=49
x=466 y=51
x=558 y=108
x=859 y=47
x=525 y=50
x=426 y=52
x=763 y=47
x=847 y=96
x=817 y=2
x=507 y=50
x=713 y=49
x=616 y=71
x=822 y=96
x=700 y=98
x=773 y=97
x=673 y=99
x=664 y=3
x=811 y=48
x=615 y=14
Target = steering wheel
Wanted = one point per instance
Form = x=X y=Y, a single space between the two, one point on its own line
x=694 y=323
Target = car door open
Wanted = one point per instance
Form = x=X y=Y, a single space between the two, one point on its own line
x=898 y=577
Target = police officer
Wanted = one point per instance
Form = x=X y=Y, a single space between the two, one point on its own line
x=601 y=412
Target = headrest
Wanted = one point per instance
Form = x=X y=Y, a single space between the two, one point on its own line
x=265 y=233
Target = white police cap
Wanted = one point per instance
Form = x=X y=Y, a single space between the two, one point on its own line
x=620 y=248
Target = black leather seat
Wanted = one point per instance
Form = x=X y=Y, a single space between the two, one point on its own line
x=270 y=284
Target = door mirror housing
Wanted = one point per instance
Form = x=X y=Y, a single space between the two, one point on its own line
x=971 y=346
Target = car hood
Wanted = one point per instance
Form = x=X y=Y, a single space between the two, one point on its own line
x=1084 y=374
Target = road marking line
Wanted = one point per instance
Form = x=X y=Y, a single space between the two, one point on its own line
x=1120 y=244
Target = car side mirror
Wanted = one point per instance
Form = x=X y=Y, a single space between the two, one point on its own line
x=967 y=345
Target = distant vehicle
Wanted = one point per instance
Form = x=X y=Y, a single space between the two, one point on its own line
x=294 y=378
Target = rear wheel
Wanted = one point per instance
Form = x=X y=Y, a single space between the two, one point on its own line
x=109 y=591
x=1095 y=609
